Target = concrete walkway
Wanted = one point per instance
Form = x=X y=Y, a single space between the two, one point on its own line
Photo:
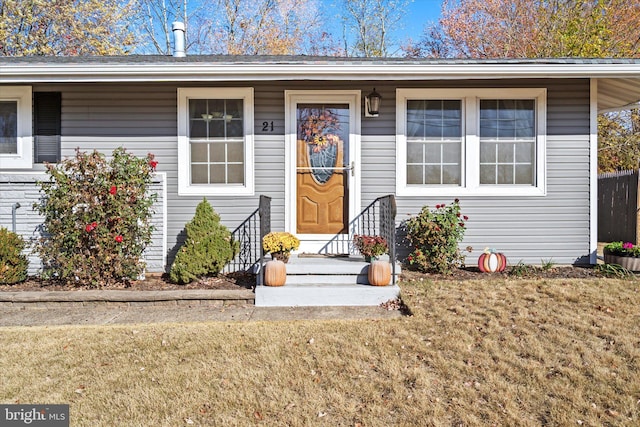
x=128 y=307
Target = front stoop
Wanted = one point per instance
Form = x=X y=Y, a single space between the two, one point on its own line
x=326 y=281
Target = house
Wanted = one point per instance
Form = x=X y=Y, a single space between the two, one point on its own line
x=514 y=140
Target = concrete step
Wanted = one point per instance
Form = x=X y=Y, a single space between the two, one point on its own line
x=326 y=281
x=324 y=294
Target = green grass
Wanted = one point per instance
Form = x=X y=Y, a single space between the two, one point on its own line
x=508 y=352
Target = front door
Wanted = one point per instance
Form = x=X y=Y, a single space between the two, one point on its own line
x=323 y=132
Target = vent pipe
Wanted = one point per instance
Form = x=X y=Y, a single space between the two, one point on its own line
x=178 y=39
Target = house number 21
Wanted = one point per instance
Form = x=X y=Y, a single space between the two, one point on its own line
x=267 y=126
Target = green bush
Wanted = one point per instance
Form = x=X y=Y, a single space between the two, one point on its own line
x=13 y=264
x=96 y=218
x=207 y=249
x=434 y=236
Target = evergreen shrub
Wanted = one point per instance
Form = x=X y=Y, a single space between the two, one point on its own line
x=13 y=264
x=207 y=249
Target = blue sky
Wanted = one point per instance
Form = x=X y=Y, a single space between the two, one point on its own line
x=419 y=13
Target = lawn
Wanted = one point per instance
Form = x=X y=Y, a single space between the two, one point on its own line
x=507 y=352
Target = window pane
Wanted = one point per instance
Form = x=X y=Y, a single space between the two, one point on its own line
x=524 y=152
x=451 y=109
x=414 y=152
x=217 y=153
x=235 y=174
x=234 y=129
x=451 y=175
x=487 y=174
x=199 y=152
x=432 y=153
x=488 y=109
x=488 y=129
x=524 y=174
x=505 y=174
x=218 y=174
x=415 y=128
x=451 y=129
x=414 y=174
x=8 y=127
x=216 y=108
x=432 y=174
x=199 y=174
x=235 y=152
x=433 y=129
x=488 y=152
x=451 y=153
x=216 y=128
x=198 y=129
x=197 y=107
x=505 y=153
x=234 y=108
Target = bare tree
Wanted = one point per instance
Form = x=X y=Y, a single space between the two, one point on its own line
x=368 y=25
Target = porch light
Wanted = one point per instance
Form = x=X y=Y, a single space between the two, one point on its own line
x=372 y=104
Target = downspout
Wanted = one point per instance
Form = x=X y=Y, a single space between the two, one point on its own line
x=14 y=208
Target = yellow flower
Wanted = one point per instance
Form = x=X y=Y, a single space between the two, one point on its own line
x=280 y=241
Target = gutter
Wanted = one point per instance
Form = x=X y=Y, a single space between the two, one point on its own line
x=213 y=71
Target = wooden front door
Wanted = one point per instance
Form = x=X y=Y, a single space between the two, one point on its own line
x=322 y=168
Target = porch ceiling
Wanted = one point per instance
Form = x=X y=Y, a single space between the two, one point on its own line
x=617 y=94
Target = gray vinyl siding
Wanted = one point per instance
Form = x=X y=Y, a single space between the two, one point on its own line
x=142 y=117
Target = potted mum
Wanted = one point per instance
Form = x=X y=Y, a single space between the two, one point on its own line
x=371 y=247
x=280 y=244
x=624 y=254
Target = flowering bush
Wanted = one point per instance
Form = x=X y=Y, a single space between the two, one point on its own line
x=97 y=216
x=207 y=249
x=623 y=249
x=435 y=235
x=371 y=246
x=280 y=241
x=13 y=264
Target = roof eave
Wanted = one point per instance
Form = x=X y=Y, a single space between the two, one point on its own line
x=124 y=72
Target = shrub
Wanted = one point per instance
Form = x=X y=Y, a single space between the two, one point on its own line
x=96 y=218
x=435 y=235
x=207 y=248
x=13 y=264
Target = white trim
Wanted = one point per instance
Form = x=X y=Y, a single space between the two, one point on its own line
x=593 y=172
x=270 y=70
x=185 y=188
x=313 y=242
x=471 y=144
x=165 y=220
x=23 y=158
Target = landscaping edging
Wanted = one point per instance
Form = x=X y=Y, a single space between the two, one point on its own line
x=124 y=299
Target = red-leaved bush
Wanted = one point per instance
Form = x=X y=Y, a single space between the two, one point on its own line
x=97 y=216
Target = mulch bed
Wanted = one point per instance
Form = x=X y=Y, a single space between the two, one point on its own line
x=238 y=281
x=152 y=282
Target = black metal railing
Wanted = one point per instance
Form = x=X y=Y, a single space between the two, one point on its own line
x=249 y=235
x=377 y=219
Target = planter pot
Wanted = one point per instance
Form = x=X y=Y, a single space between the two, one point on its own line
x=630 y=263
x=281 y=256
x=275 y=273
x=379 y=273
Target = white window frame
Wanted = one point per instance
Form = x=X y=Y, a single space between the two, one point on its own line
x=23 y=158
x=470 y=162
x=185 y=187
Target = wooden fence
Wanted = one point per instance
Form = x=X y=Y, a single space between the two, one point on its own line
x=618 y=207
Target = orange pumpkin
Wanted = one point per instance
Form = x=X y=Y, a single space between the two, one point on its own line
x=275 y=273
x=492 y=262
x=379 y=273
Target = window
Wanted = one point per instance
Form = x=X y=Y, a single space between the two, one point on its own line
x=470 y=141
x=215 y=141
x=15 y=127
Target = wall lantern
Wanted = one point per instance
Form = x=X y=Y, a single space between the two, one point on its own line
x=372 y=104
